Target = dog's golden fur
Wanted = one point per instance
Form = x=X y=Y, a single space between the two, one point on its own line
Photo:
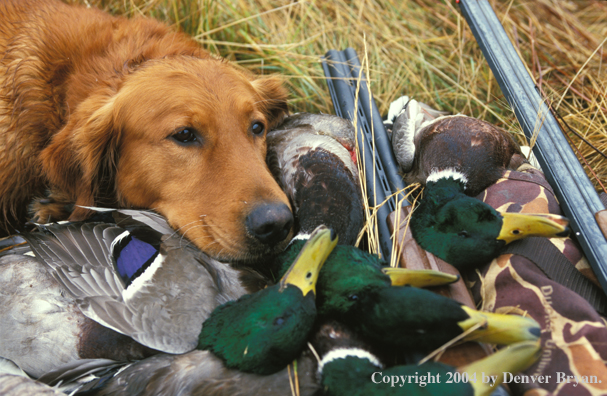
x=90 y=105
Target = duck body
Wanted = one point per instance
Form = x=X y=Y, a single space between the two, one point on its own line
x=99 y=290
x=313 y=158
x=426 y=140
x=474 y=147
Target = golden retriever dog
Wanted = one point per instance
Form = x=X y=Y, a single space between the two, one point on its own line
x=97 y=110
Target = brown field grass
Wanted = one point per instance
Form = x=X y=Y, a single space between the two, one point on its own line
x=422 y=48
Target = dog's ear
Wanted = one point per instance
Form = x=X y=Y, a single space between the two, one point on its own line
x=272 y=99
x=80 y=155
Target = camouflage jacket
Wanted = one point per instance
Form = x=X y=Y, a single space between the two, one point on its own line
x=574 y=335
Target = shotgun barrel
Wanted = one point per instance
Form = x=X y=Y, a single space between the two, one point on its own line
x=344 y=72
x=573 y=189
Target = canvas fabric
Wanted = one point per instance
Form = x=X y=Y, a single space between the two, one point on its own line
x=574 y=335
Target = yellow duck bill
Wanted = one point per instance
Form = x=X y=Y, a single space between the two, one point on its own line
x=518 y=225
x=499 y=329
x=304 y=271
x=418 y=278
x=510 y=360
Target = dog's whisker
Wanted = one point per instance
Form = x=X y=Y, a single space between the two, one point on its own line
x=191 y=227
x=188 y=224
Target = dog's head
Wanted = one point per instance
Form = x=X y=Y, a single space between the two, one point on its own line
x=186 y=137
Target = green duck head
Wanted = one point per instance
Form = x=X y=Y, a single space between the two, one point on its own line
x=263 y=332
x=350 y=272
x=354 y=371
x=353 y=287
x=466 y=232
x=418 y=319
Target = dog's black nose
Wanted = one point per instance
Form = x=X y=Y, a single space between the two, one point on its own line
x=270 y=223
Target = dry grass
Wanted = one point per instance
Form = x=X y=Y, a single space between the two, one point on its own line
x=422 y=48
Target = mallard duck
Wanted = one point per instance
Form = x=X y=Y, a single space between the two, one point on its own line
x=466 y=232
x=457 y=157
x=314 y=160
x=356 y=372
x=362 y=264
x=262 y=332
x=353 y=288
x=101 y=287
x=426 y=140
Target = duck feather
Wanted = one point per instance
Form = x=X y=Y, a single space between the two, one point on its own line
x=79 y=262
x=312 y=156
x=426 y=140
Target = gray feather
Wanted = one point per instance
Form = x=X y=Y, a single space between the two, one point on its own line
x=166 y=312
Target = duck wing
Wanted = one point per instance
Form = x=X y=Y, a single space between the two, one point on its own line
x=158 y=295
x=126 y=218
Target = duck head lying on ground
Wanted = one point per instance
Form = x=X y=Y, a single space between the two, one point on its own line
x=466 y=232
x=457 y=157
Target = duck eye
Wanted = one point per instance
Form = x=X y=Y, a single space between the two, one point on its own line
x=185 y=136
x=353 y=297
x=257 y=128
x=463 y=234
x=279 y=321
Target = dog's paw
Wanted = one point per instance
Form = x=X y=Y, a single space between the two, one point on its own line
x=51 y=208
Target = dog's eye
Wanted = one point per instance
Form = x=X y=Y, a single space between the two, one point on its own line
x=185 y=136
x=257 y=128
